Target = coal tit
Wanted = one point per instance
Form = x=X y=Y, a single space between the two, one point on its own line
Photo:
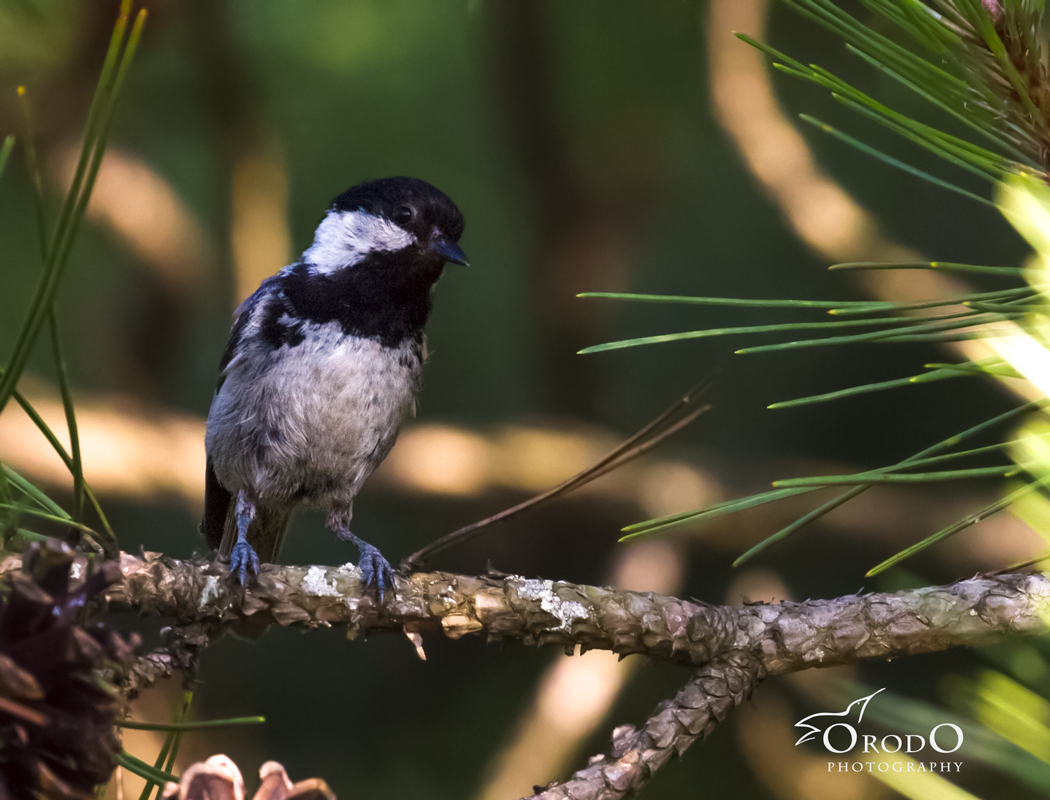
x=322 y=366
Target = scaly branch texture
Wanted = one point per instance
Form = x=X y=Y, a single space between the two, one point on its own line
x=730 y=649
x=695 y=711
x=782 y=637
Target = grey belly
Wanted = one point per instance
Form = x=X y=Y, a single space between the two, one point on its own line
x=310 y=426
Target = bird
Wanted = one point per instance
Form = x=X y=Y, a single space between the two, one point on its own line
x=857 y=707
x=322 y=367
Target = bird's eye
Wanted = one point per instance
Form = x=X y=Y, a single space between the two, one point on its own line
x=404 y=215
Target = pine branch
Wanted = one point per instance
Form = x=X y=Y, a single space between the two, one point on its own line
x=730 y=649
x=784 y=637
x=636 y=755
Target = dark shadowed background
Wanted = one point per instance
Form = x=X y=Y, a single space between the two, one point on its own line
x=582 y=144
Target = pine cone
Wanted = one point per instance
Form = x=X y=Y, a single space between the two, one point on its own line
x=56 y=713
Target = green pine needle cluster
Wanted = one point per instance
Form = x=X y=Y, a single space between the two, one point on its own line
x=979 y=62
x=20 y=501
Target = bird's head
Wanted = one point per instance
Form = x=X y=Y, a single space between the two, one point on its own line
x=402 y=226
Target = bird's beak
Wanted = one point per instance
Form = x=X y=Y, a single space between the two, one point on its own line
x=450 y=251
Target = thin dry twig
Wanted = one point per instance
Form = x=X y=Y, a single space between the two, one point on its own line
x=661 y=428
x=1031 y=562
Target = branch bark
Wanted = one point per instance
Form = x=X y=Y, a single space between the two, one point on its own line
x=729 y=649
x=637 y=754
x=783 y=637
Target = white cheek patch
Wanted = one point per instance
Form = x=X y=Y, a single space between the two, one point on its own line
x=345 y=237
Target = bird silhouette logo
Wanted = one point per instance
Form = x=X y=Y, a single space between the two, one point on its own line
x=815 y=724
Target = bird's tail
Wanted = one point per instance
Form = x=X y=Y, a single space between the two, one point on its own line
x=265 y=534
x=219 y=525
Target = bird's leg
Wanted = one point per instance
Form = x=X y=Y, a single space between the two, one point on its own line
x=375 y=569
x=243 y=558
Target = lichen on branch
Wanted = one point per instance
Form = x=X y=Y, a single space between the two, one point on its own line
x=782 y=637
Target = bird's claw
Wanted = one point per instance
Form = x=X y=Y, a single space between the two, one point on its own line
x=376 y=571
x=243 y=560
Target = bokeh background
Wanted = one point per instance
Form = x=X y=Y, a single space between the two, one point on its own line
x=616 y=146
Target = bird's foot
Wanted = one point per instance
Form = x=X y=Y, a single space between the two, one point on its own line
x=376 y=571
x=243 y=561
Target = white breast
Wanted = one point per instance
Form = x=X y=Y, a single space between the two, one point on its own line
x=311 y=422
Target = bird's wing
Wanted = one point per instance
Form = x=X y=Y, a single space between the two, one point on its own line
x=217 y=498
x=242 y=316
